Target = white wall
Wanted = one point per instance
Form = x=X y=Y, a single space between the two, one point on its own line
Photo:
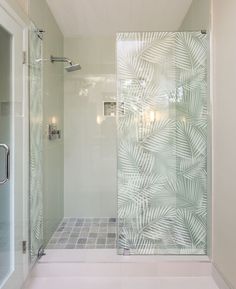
x=90 y=139
x=106 y=17
x=224 y=187
x=24 y=4
x=197 y=17
x=53 y=90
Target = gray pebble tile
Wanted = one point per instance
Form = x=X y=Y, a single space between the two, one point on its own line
x=98 y=246
x=103 y=230
x=110 y=246
x=94 y=229
x=62 y=240
x=84 y=230
x=59 y=246
x=85 y=233
x=112 y=220
x=91 y=241
x=72 y=240
x=53 y=240
x=51 y=246
x=80 y=246
x=70 y=246
x=111 y=241
x=101 y=241
x=102 y=235
x=74 y=235
x=81 y=241
x=90 y=246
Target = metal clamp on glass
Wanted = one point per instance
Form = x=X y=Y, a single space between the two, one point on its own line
x=7 y=163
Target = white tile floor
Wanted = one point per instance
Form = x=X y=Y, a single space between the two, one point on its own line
x=122 y=283
x=104 y=269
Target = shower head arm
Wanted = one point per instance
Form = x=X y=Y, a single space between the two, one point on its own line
x=70 y=68
x=61 y=59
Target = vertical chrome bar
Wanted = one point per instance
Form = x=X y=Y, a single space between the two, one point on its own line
x=7 y=164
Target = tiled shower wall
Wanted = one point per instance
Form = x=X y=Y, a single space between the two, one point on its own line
x=90 y=137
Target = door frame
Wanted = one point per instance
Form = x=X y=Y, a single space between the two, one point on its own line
x=15 y=14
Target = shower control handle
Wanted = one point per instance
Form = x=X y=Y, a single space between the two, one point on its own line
x=7 y=163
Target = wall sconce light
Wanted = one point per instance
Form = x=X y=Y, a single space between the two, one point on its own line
x=53 y=132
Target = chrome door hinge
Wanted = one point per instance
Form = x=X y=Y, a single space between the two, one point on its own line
x=41 y=252
x=24 y=57
x=24 y=247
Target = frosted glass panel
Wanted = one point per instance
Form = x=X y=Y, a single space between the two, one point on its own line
x=36 y=143
x=162 y=142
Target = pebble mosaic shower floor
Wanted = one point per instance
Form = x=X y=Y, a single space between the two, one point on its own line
x=84 y=233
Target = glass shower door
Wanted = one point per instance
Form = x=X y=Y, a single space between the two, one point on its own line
x=36 y=142
x=6 y=249
x=11 y=152
x=162 y=142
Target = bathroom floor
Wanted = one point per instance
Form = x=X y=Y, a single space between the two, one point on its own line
x=84 y=233
x=104 y=269
x=123 y=283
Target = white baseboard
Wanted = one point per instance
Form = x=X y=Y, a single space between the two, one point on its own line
x=219 y=279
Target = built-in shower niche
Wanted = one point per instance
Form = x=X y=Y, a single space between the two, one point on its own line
x=110 y=108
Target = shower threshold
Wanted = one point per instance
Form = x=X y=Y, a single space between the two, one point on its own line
x=102 y=268
x=111 y=256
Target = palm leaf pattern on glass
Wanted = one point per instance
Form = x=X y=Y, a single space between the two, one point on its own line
x=162 y=142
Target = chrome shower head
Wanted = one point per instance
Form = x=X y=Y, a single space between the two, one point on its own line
x=73 y=67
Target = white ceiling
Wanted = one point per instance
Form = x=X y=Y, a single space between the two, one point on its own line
x=106 y=17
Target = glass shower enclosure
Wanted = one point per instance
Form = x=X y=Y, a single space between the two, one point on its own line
x=162 y=142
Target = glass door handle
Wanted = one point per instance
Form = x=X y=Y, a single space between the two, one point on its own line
x=7 y=163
